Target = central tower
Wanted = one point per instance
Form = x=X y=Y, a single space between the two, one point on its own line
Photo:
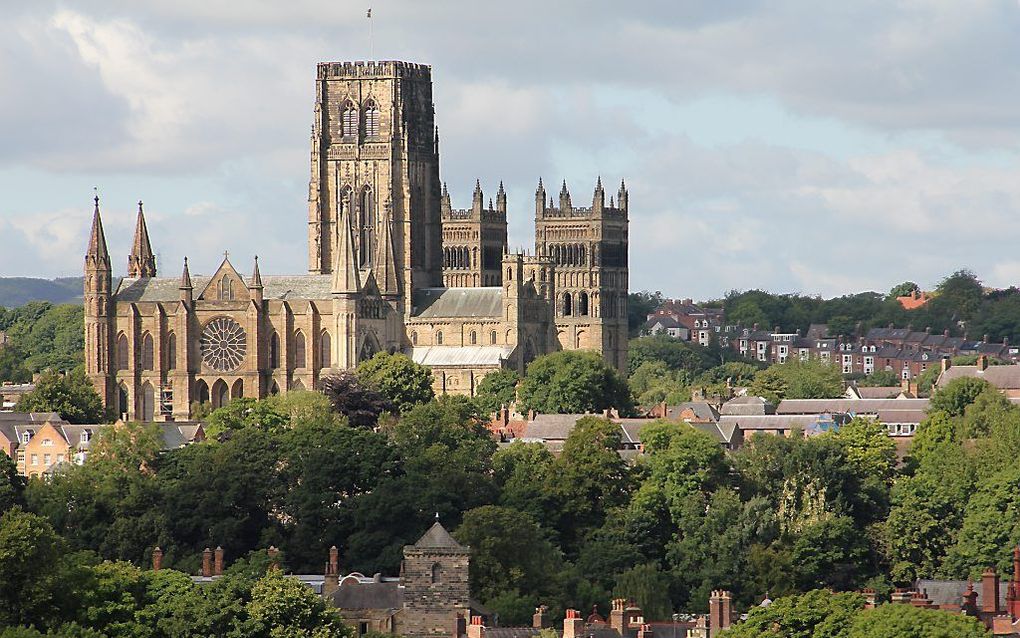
x=375 y=167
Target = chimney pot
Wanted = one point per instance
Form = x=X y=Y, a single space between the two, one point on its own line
x=157 y=559
x=218 y=561
x=207 y=562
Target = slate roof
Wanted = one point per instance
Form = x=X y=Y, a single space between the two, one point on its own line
x=878 y=392
x=167 y=289
x=768 y=421
x=30 y=417
x=746 y=405
x=703 y=410
x=950 y=592
x=461 y=355
x=1002 y=377
x=353 y=594
x=722 y=432
x=445 y=303
x=438 y=538
x=850 y=406
x=546 y=427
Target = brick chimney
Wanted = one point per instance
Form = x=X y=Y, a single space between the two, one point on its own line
x=920 y=599
x=274 y=557
x=720 y=614
x=573 y=624
x=982 y=362
x=990 y=591
x=618 y=615
x=538 y=620
x=331 y=580
x=1013 y=592
x=969 y=603
x=218 y=561
x=157 y=559
x=207 y=562
x=946 y=364
x=475 y=629
x=645 y=632
x=870 y=598
x=900 y=596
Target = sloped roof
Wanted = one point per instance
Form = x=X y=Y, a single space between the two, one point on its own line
x=852 y=406
x=702 y=410
x=1002 y=377
x=437 y=303
x=438 y=538
x=950 y=592
x=20 y=418
x=746 y=405
x=373 y=595
x=461 y=355
x=166 y=289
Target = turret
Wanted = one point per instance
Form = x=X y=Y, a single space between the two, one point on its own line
x=255 y=287
x=444 y=203
x=565 y=206
x=540 y=199
x=97 y=301
x=477 y=201
x=621 y=197
x=141 y=261
x=187 y=290
x=598 y=202
x=501 y=199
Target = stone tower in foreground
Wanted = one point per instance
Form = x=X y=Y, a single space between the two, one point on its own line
x=436 y=588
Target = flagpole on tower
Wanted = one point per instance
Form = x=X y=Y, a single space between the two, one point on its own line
x=371 y=39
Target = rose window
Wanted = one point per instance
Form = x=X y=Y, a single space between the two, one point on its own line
x=223 y=344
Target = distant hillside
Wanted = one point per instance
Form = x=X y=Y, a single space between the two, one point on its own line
x=17 y=291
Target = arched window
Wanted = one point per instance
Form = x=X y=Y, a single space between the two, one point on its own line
x=299 y=350
x=148 y=402
x=371 y=119
x=325 y=350
x=220 y=394
x=274 y=351
x=437 y=573
x=474 y=338
x=492 y=337
x=122 y=352
x=414 y=338
x=509 y=274
x=349 y=120
x=297 y=385
x=568 y=308
x=171 y=351
x=237 y=391
x=439 y=338
x=147 y=351
x=225 y=289
x=202 y=392
x=122 y=400
x=582 y=304
x=366 y=229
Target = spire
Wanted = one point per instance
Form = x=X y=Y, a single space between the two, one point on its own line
x=386 y=260
x=565 y=198
x=256 y=276
x=621 y=196
x=97 y=252
x=599 y=199
x=346 y=277
x=186 y=277
x=446 y=209
x=477 y=200
x=141 y=261
x=540 y=199
x=501 y=199
x=436 y=142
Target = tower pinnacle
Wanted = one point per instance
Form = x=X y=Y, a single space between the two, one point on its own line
x=141 y=261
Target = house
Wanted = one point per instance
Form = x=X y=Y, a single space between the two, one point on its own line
x=11 y=393
x=1005 y=378
x=901 y=416
x=914 y=300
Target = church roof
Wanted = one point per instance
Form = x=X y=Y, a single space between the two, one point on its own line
x=461 y=355
x=438 y=538
x=458 y=302
x=276 y=287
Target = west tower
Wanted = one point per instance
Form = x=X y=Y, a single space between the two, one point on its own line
x=375 y=161
x=589 y=247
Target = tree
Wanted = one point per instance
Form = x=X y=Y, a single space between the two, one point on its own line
x=243 y=413
x=649 y=587
x=830 y=553
x=498 y=389
x=282 y=607
x=71 y=396
x=989 y=532
x=573 y=382
x=676 y=354
x=401 y=381
x=680 y=461
x=955 y=396
x=879 y=379
x=639 y=306
x=868 y=448
x=797 y=379
x=521 y=472
x=959 y=295
x=349 y=397
x=816 y=614
x=904 y=289
x=12 y=484
x=907 y=621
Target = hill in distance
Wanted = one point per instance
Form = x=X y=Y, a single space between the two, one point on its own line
x=17 y=291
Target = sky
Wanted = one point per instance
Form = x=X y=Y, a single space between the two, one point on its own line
x=793 y=146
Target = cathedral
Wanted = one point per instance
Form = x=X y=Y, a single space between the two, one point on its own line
x=392 y=266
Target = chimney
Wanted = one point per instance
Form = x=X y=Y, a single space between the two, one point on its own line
x=719 y=612
x=645 y=632
x=157 y=559
x=946 y=364
x=538 y=619
x=990 y=591
x=476 y=629
x=900 y=596
x=969 y=603
x=618 y=616
x=207 y=562
x=274 y=557
x=331 y=580
x=982 y=362
x=905 y=386
x=920 y=599
x=573 y=624
x=218 y=561
x=1013 y=592
x=869 y=598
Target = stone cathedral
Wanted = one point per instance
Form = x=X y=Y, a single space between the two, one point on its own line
x=392 y=266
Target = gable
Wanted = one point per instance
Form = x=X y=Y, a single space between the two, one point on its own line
x=225 y=285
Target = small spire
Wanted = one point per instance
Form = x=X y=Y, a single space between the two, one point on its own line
x=563 y=189
x=598 y=183
x=97 y=239
x=446 y=193
x=478 y=185
x=490 y=203
x=500 y=191
x=186 y=277
x=256 y=276
x=141 y=261
x=541 y=187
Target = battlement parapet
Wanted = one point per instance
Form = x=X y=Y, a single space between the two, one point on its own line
x=373 y=69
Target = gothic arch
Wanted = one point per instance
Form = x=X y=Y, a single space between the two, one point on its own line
x=171 y=351
x=299 y=349
x=148 y=402
x=274 y=350
x=123 y=405
x=368 y=348
x=237 y=391
x=473 y=337
x=297 y=385
x=568 y=304
x=274 y=389
x=147 y=352
x=122 y=352
x=220 y=394
x=325 y=350
x=371 y=111
x=349 y=119
x=202 y=392
x=582 y=304
x=439 y=337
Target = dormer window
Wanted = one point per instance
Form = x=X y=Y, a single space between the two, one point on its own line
x=86 y=436
x=26 y=437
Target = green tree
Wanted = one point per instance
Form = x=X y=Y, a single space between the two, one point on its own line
x=353 y=399
x=868 y=448
x=815 y=614
x=12 y=484
x=572 y=382
x=904 y=289
x=959 y=295
x=639 y=306
x=956 y=395
x=401 y=381
x=831 y=553
x=989 y=532
x=907 y=621
x=282 y=607
x=797 y=379
x=648 y=586
x=71 y=396
x=680 y=461
x=243 y=413
x=522 y=472
x=498 y=389
x=879 y=379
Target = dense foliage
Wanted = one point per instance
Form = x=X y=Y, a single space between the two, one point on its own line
x=72 y=396
x=41 y=336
